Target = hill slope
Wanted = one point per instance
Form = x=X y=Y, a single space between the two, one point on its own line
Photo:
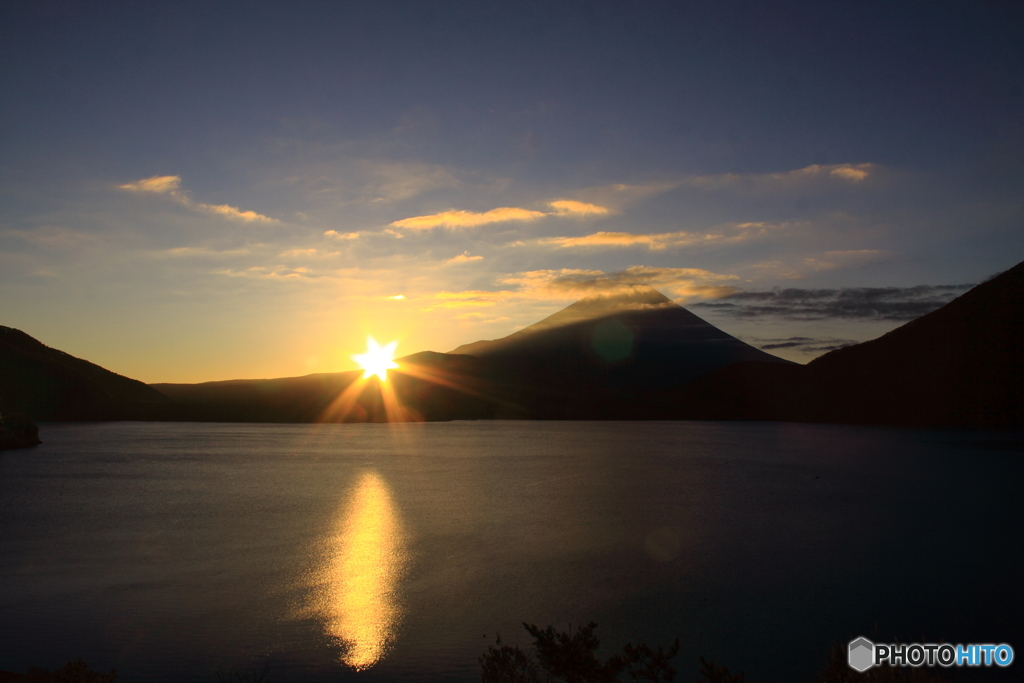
x=961 y=365
x=47 y=384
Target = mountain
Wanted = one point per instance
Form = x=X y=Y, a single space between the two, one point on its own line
x=606 y=356
x=47 y=384
x=961 y=365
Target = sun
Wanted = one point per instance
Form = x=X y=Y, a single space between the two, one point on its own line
x=377 y=360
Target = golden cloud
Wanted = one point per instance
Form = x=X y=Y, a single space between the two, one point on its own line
x=569 y=207
x=311 y=252
x=234 y=213
x=464 y=257
x=854 y=173
x=469 y=298
x=742 y=232
x=683 y=282
x=170 y=185
x=468 y=219
x=161 y=184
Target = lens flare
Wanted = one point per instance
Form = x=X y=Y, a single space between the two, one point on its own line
x=377 y=360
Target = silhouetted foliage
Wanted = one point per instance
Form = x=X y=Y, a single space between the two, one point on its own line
x=72 y=672
x=713 y=674
x=571 y=657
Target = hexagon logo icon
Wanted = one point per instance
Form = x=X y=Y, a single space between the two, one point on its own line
x=861 y=654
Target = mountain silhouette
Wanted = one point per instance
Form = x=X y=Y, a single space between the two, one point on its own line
x=606 y=356
x=961 y=365
x=48 y=384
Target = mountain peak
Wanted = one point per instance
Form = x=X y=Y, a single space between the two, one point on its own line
x=600 y=305
x=591 y=307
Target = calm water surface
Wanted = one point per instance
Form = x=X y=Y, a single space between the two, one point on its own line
x=397 y=552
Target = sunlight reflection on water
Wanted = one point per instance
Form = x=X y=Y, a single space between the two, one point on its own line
x=367 y=557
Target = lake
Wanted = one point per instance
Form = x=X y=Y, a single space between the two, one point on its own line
x=381 y=552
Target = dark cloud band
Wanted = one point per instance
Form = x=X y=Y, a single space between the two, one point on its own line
x=855 y=303
x=809 y=345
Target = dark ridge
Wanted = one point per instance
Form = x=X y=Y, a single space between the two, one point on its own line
x=959 y=366
x=603 y=357
x=47 y=384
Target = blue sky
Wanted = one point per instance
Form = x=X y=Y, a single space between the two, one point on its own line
x=200 y=191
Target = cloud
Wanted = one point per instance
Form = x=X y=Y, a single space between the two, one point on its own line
x=469 y=299
x=234 y=213
x=170 y=185
x=853 y=303
x=568 y=283
x=664 y=240
x=371 y=181
x=308 y=253
x=341 y=235
x=161 y=184
x=469 y=219
x=56 y=237
x=855 y=173
x=784 y=180
x=272 y=273
x=807 y=345
x=617 y=197
x=464 y=257
x=201 y=252
x=570 y=207
x=795 y=268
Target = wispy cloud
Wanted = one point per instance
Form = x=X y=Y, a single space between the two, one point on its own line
x=368 y=181
x=280 y=273
x=469 y=219
x=570 y=207
x=170 y=185
x=464 y=257
x=342 y=235
x=740 y=232
x=567 y=284
x=811 y=346
x=796 y=268
x=233 y=212
x=681 y=282
x=472 y=298
x=784 y=180
x=308 y=253
x=161 y=184
x=54 y=237
x=201 y=252
x=854 y=303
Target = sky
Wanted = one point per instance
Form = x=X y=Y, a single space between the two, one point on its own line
x=207 y=191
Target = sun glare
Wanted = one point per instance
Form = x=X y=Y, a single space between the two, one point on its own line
x=377 y=360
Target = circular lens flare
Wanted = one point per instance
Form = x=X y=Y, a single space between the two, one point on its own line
x=377 y=360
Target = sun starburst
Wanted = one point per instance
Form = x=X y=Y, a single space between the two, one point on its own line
x=377 y=360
